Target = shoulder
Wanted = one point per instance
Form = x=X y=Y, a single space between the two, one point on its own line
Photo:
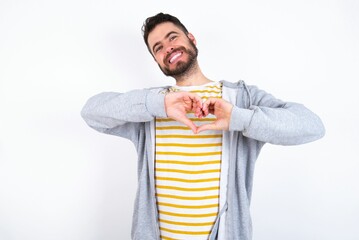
x=237 y=84
x=163 y=89
x=240 y=85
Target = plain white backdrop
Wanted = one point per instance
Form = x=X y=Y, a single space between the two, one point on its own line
x=61 y=180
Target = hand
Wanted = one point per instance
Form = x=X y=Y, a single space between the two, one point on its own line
x=221 y=109
x=177 y=104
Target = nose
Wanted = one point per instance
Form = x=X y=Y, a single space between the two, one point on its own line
x=169 y=49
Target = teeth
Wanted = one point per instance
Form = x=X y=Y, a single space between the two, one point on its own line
x=175 y=57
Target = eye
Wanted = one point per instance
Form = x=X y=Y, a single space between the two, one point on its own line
x=173 y=37
x=157 y=49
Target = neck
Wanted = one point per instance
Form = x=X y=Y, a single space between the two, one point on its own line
x=194 y=77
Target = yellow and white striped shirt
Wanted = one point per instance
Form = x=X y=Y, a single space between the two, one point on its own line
x=187 y=169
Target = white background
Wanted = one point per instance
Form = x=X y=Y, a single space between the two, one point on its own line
x=61 y=180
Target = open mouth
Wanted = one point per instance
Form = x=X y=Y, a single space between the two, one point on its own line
x=174 y=57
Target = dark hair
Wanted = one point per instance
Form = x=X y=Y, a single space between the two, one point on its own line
x=152 y=22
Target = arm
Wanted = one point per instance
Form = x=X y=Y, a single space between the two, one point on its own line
x=271 y=120
x=267 y=119
x=121 y=114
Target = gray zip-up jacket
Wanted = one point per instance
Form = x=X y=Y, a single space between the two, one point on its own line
x=257 y=118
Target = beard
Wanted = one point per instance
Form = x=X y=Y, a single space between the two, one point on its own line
x=182 y=67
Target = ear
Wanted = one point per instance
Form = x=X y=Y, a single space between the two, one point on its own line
x=192 y=38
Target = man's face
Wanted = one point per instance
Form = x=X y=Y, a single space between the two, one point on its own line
x=174 y=51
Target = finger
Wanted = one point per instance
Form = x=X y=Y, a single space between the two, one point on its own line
x=197 y=108
x=189 y=124
x=196 y=97
x=192 y=102
x=199 y=113
x=190 y=95
x=205 y=108
x=197 y=105
x=208 y=105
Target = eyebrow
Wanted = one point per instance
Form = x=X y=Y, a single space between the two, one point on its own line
x=157 y=43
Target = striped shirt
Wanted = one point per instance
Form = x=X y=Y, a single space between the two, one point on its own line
x=187 y=169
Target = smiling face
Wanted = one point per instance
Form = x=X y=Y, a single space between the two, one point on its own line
x=174 y=51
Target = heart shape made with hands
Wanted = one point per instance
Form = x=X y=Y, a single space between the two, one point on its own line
x=178 y=104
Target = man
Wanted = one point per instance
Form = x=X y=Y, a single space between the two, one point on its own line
x=197 y=141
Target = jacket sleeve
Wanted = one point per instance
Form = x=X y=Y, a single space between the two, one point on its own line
x=271 y=120
x=123 y=114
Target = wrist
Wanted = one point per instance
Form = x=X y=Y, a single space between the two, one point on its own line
x=155 y=104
